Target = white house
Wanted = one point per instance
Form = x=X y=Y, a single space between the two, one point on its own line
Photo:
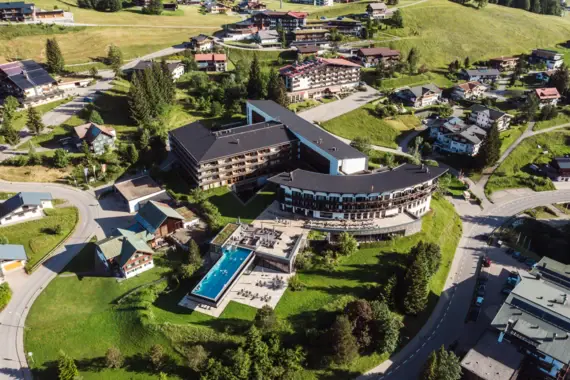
x=546 y=96
x=12 y=257
x=454 y=136
x=137 y=191
x=468 y=90
x=485 y=117
x=24 y=206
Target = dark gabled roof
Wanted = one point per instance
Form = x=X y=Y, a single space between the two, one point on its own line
x=563 y=163
x=153 y=214
x=301 y=127
x=402 y=177
x=12 y=252
x=200 y=38
x=23 y=199
x=494 y=114
x=419 y=91
x=26 y=8
x=26 y=74
x=122 y=247
x=206 y=145
x=311 y=49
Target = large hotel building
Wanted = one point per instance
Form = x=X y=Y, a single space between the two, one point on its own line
x=314 y=79
x=319 y=177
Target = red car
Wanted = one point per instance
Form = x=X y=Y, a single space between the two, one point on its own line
x=486 y=261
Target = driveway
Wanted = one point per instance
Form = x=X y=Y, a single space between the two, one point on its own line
x=93 y=220
x=331 y=110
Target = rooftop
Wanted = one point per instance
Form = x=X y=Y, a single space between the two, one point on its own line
x=419 y=91
x=210 y=57
x=26 y=74
x=381 y=51
x=547 y=93
x=469 y=86
x=493 y=114
x=306 y=67
x=18 y=4
x=482 y=71
x=138 y=187
x=12 y=252
x=504 y=59
x=552 y=270
x=301 y=127
x=23 y=199
x=399 y=178
x=206 y=145
x=491 y=360
x=90 y=131
x=153 y=214
x=311 y=49
x=378 y=6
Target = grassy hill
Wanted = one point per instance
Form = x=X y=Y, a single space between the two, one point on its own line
x=443 y=31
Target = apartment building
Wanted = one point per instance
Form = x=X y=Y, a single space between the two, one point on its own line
x=313 y=79
x=211 y=62
x=309 y=35
x=485 y=117
x=552 y=59
x=288 y=20
x=504 y=63
x=453 y=135
x=546 y=96
x=29 y=82
x=317 y=3
x=17 y=12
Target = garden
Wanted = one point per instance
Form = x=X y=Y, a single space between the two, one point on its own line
x=134 y=316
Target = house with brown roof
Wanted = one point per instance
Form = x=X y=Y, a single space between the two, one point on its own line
x=546 y=96
x=371 y=57
x=420 y=96
x=468 y=91
x=97 y=137
x=378 y=11
x=288 y=20
x=201 y=42
x=211 y=62
x=504 y=63
x=309 y=35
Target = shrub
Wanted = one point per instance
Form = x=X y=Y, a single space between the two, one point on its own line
x=114 y=358
x=5 y=295
x=295 y=283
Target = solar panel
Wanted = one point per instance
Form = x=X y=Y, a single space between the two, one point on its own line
x=45 y=78
x=21 y=81
x=30 y=65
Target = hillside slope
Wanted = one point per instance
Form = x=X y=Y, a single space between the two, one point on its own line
x=443 y=31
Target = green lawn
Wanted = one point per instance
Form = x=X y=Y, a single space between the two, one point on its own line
x=364 y=122
x=561 y=118
x=36 y=235
x=509 y=136
x=410 y=80
x=232 y=208
x=83 y=314
x=514 y=172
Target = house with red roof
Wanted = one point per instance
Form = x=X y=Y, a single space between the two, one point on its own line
x=546 y=96
x=211 y=62
x=468 y=90
x=317 y=78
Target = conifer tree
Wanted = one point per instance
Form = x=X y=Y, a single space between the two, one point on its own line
x=416 y=282
x=34 y=123
x=413 y=58
x=167 y=84
x=490 y=151
x=10 y=134
x=152 y=92
x=255 y=83
x=344 y=345
x=95 y=117
x=276 y=90
x=55 y=61
x=66 y=368
x=138 y=104
x=429 y=371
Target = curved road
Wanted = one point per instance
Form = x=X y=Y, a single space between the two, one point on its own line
x=13 y=361
x=446 y=324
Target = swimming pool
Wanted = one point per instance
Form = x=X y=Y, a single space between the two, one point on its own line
x=222 y=273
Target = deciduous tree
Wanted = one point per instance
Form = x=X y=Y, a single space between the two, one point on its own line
x=265 y=318
x=156 y=356
x=114 y=358
x=60 y=158
x=347 y=244
x=560 y=79
x=197 y=357
x=362 y=144
x=397 y=19
x=115 y=58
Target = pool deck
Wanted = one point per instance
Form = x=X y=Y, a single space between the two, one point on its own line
x=245 y=282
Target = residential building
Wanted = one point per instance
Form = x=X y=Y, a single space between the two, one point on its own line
x=324 y=44
x=317 y=3
x=126 y=254
x=12 y=257
x=544 y=76
x=371 y=57
x=136 y=192
x=251 y=6
x=242 y=30
x=482 y=74
x=468 y=91
x=288 y=20
x=97 y=137
x=535 y=319
x=309 y=35
x=17 y=11
x=377 y=10
x=215 y=8
x=454 y=136
x=268 y=37
x=307 y=51
x=211 y=62
x=546 y=96
x=29 y=82
x=24 y=206
x=562 y=167
x=313 y=79
x=245 y=156
x=342 y=25
x=159 y=220
x=504 y=63
x=485 y=117
x=552 y=59
x=176 y=69
x=491 y=360
x=201 y=43
x=420 y=96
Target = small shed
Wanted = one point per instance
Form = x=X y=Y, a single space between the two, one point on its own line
x=12 y=256
x=138 y=191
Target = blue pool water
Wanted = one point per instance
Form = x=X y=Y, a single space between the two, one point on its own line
x=219 y=276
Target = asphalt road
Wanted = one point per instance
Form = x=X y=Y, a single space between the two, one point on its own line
x=446 y=324
x=93 y=220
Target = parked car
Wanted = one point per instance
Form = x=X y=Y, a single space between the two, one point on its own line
x=516 y=255
x=506 y=290
x=486 y=261
x=522 y=259
x=473 y=314
x=479 y=301
x=481 y=291
x=87 y=99
x=530 y=262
